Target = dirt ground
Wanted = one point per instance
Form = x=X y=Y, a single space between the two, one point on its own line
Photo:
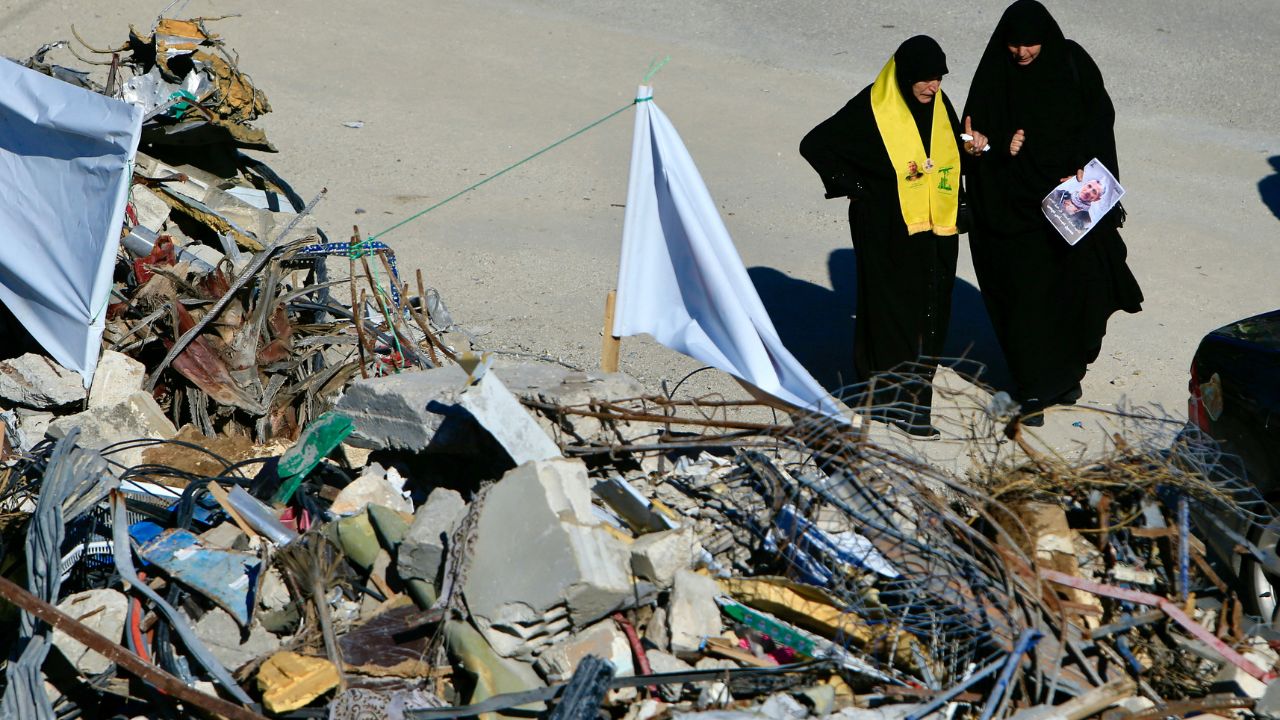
x=452 y=92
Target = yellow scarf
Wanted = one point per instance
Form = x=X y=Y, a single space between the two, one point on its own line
x=928 y=187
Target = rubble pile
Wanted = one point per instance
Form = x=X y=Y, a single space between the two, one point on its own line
x=286 y=495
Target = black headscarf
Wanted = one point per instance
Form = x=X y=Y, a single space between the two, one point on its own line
x=1058 y=101
x=847 y=150
x=1029 y=23
x=918 y=59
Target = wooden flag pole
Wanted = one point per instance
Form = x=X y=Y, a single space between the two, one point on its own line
x=611 y=345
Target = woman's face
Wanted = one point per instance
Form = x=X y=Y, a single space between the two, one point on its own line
x=1024 y=54
x=926 y=89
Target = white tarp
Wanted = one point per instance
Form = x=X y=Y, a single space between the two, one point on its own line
x=681 y=279
x=64 y=174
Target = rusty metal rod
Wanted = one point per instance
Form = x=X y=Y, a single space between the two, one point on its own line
x=144 y=671
x=1170 y=608
x=405 y=345
x=659 y=419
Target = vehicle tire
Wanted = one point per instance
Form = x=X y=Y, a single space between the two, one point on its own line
x=1259 y=588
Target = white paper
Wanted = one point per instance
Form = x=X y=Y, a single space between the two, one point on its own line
x=681 y=280
x=65 y=155
x=1076 y=205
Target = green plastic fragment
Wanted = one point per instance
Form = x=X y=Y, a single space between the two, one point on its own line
x=180 y=108
x=770 y=626
x=318 y=440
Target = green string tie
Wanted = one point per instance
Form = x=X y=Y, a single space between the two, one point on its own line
x=653 y=70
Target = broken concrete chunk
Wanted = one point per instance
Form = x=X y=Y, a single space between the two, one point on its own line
x=152 y=211
x=781 y=706
x=202 y=256
x=226 y=536
x=656 y=632
x=538 y=547
x=1234 y=680
x=658 y=556
x=884 y=712
x=663 y=662
x=32 y=425
x=138 y=416
x=374 y=487
x=438 y=411
x=561 y=386
x=604 y=640
x=821 y=698
x=425 y=411
x=289 y=681
x=219 y=632
x=423 y=549
x=501 y=414
x=103 y=611
x=407 y=412
x=37 y=382
x=118 y=376
x=693 y=614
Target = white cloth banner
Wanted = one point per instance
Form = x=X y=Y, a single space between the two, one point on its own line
x=64 y=177
x=681 y=280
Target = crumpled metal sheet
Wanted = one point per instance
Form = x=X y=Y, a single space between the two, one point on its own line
x=150 y=91
x=180 y=47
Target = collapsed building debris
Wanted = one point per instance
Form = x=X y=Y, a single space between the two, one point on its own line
x=289 y=495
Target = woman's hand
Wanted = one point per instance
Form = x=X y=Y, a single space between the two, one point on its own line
x=1079 y=176
x=1016 y=144
x=977 y=141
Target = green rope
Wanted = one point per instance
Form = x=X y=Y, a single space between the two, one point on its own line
x=508 y=168
x=654 y=67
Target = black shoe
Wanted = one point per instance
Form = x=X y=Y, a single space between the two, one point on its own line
x=1035 y=419
x=1031 y=412
x=1070 y=396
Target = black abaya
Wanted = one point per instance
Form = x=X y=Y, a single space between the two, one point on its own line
x=904 y=281
x=1049 y=301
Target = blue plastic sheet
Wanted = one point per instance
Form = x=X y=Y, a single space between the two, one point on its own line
x=65 y=157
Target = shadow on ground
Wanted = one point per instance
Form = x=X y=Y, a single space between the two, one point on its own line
x=816 y=324
x=1269 y=187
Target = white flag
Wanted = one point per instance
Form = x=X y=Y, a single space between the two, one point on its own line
x=681 y=279
x=64 y=175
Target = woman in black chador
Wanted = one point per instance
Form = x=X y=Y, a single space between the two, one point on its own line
x=894 y=151
x=1039 y=101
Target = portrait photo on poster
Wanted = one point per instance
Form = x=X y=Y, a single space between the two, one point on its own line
x=1074 y=206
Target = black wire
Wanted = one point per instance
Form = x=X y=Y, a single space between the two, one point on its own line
x=144 y=442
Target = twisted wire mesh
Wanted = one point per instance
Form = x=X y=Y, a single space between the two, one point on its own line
x=942 y=516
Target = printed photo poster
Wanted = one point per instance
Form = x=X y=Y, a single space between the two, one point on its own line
x=1074 y=206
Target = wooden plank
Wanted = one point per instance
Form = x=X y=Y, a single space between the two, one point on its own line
x=611 y=345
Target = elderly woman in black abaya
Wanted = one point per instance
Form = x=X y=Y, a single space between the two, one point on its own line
x=894 y=151
x=1038 y=101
